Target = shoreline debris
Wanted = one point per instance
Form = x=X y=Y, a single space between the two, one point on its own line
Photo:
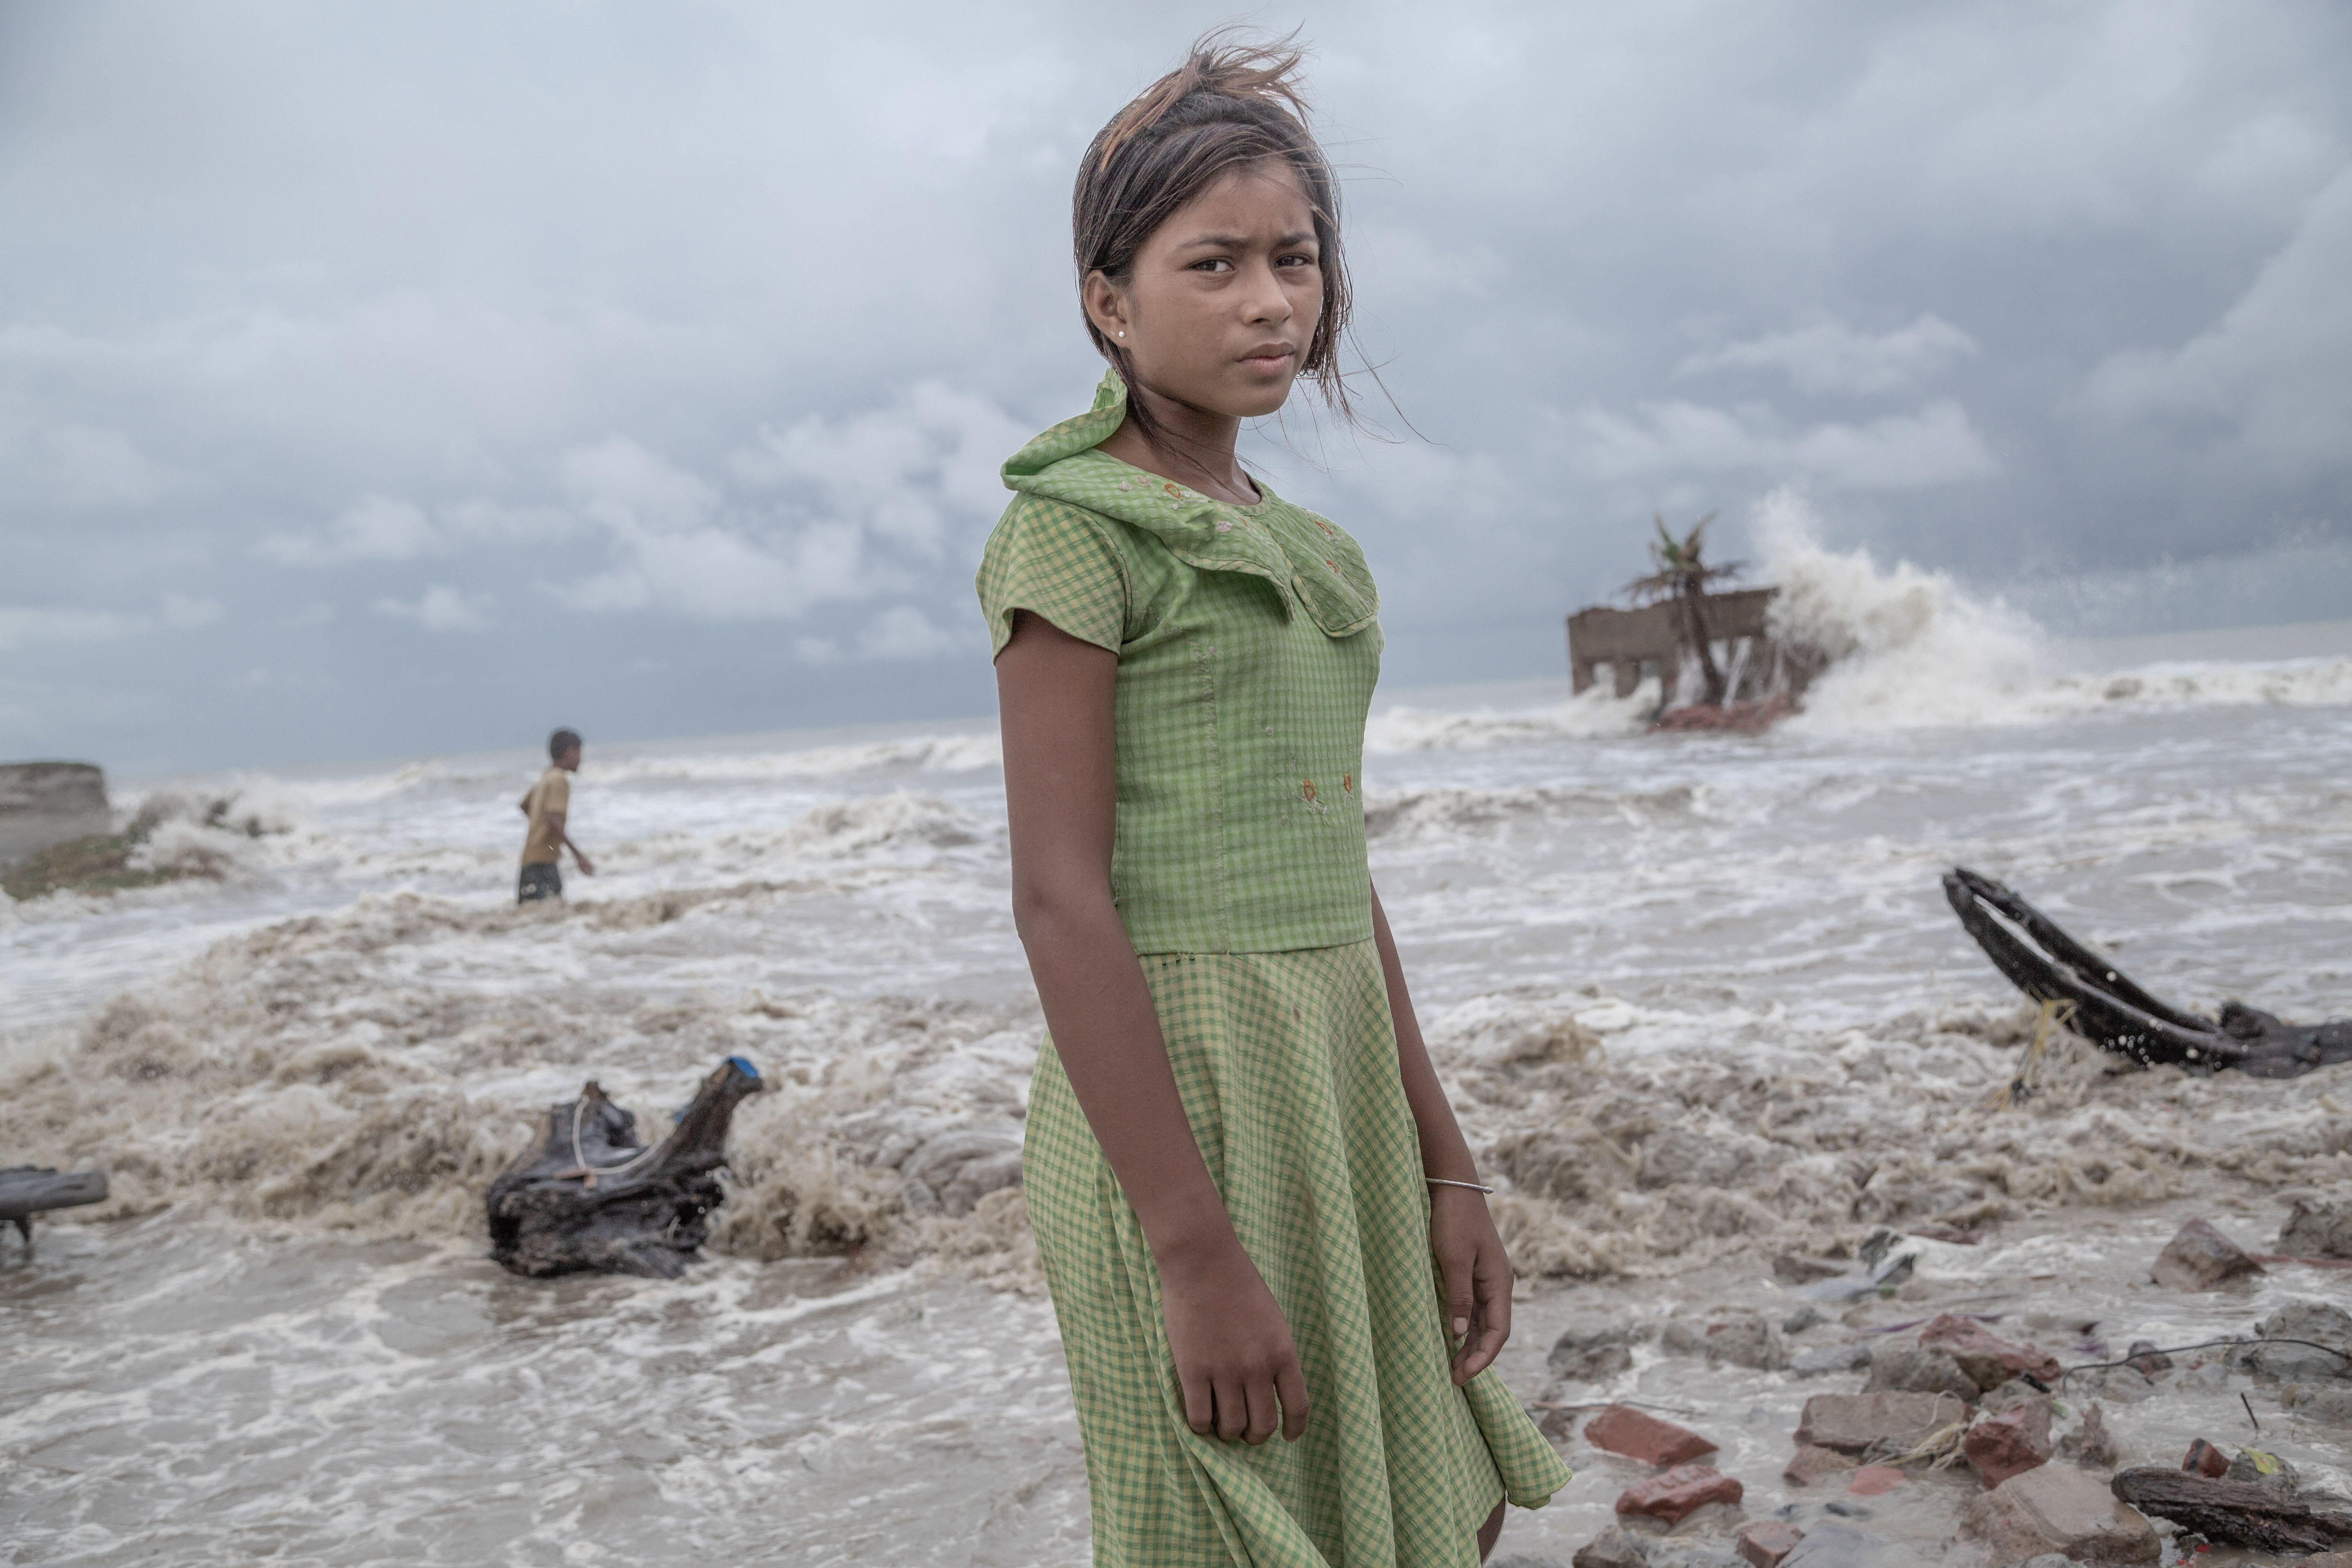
x=28 y=1190
x=1966 y=1429
x=60 y=835
x=2234 y=1513
x=589 y=1195
x=2201 y=1258
x=2113 y=1011
x=1717 y=649
x=1622 y=1429
x=2057 y=1507
x=42 y=805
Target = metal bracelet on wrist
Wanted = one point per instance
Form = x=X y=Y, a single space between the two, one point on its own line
x=1473 y=1186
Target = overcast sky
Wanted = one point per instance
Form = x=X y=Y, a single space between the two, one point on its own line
x=380 y=380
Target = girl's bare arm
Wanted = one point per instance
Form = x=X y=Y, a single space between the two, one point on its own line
x=1235 y=1358
x=1470 y=1256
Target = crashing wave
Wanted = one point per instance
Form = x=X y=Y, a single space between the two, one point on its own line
x=302 y=1076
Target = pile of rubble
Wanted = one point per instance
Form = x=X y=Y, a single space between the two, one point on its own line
x=1957 y=1429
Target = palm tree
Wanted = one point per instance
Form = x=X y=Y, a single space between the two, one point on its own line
x=1682 y=575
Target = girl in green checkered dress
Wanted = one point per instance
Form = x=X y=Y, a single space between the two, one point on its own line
x=1254 y=1206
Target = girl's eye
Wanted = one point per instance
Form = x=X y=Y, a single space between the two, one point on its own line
x=1296 y=261
x=1213 y=264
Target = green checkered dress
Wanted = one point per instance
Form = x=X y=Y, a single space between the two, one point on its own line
x=1248 y=648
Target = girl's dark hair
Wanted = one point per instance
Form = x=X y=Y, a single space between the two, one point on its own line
x=1235 y=100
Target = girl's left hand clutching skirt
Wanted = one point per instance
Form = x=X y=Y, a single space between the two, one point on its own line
x=1477 y=1278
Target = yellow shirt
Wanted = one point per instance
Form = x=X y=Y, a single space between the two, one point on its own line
x=551 y=795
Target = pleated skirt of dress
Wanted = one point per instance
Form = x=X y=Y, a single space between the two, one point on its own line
x=1286 y=1063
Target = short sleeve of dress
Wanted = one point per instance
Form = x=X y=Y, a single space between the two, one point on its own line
x=1057 y=561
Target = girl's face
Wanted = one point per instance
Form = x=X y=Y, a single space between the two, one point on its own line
x=1225 y=296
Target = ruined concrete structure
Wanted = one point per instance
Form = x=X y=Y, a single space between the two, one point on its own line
x=1649 y=641
x=42 y=804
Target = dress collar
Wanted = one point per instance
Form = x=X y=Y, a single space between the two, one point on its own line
x=1311 y=561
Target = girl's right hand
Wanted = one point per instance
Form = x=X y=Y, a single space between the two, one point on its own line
x=1234 y=1359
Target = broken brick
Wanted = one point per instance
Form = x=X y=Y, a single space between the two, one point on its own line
x=1676 y=1494
x=1988 y=1358
x=2011 y=1443
x=1812 y=1463
x=1622 y=1429
x=1768 y=1541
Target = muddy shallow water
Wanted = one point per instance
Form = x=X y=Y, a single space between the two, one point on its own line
x=1698 y=1000
x=205 y=1395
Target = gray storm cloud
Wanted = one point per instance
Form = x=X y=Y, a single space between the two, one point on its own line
x=386 y=380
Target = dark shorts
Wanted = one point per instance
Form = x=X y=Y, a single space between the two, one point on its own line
x=544 y=881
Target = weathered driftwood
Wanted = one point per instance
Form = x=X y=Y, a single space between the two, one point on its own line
x=2108 y=1009
x=2232 y=1514
x=590 y=1196
x=28 y=1190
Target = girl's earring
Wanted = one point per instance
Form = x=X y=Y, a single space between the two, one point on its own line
x=1122 y=331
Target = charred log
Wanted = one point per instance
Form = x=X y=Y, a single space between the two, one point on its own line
x=590 y=1196
x=2109 y=1009
x=2232 y=1513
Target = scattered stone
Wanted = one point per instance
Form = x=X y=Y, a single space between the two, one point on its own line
x=2322 y=1321
x=1595 y=1348
x=1637 y=1434
x=1680 y=1492
x=2330 y=1406
x=2145 y=1359
x=1987 y=1360
x=1820 y=1361
x=1805 y=1317
x=2204 y=1459
x=2259 y=1468
x=2090 y=1443
x=2201 y=1258
x=1613 y=1548
x=1875 y=1480
x=2008 y=1397
x=1949 y=1233
x=1740 y=1336
x=2011 y=1443
x=1814 y=1463
x=2048 y=1560
x=2314 y=1228
x=1795 y=1268
x=2055 y=1507
x=1831 y=1544
x=2230 y=1513
x=1892 y=1423
x=1768 y=1541
x=1846 y=1508
x=1918 y=1368
x=2326 y=1560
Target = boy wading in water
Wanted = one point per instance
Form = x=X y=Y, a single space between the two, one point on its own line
x=1239 y=1161
x=545 y=806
